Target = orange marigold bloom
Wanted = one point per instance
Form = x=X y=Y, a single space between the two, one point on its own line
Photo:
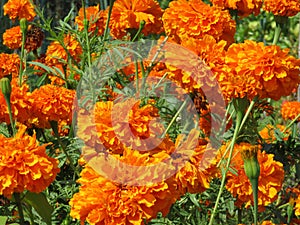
x=290 y=110
x=195 y=19
x=9 y=64
x=297 y=206
x=268 y=133
x=24 y=165
x=282 y=7
x=101 y=201
x=56 y=53
x=269 y=182
x=52 y=103
x=253 y=69
x=244 y=7
x=96 y=18
x=19 y=9
x=128 y=14
x=12 y=37
x=21 y=104
x=122 y=124
x=200 y=169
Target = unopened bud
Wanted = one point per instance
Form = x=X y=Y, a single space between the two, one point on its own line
x=5 y=87
x=23 y=25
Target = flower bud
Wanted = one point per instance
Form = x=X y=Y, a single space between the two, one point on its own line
x=23 y=25
x=5 y=87
x=251 y=164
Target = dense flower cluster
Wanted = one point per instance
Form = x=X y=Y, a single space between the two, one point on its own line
x=101 y=201
x=253 y=69
x=269 y=183
x=127 y=17
x=282 y=7
x=19 y=9
x=12 y=37
x=9 y=64
x=58 y=52
x=96 y=19
x=24 y=165
x=290 y=110
x=244 y=8
x=269 y=135
x=185 y=19
x=52 y=103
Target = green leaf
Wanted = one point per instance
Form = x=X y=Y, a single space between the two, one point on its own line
x=3 y=220
x=41 y=205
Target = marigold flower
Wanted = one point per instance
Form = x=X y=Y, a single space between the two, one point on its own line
x=297 y=206
x=9 y=64
x=95 y=17
x=124 y=124
x=268 y=133
x=19 y=9
x=290 y=110
x=269 y=182
x=195 y=19
x=52 y=103
x=244 y=8
x=21 y=104
x=56 y=53
x=12 y=37
x=283 y=7
x=24 y=165
x=253 y=69
x=200 y=169
x=128 y=14
x=101 y=201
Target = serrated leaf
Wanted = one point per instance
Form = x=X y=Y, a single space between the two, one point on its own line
x=41 y=205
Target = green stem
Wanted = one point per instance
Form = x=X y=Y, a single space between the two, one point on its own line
x=236 y=132
x=86 y=34
x=174 y=118
x=276 y=34
x=63 y=147
x=20 y=208
x=12 y=122
x=111 y=3
x=141 y=26
x=254 y=184
x=291 y=123
x=22 y=58
x=247 y=113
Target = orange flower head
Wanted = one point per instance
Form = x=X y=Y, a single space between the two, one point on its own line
x=268 y=133
x=12 y=37
x=243 y=7
x=9 y=64
x=96 y=19
x=297 y=206
x=18 y=9
x=252 y=69
x=120 y=124
x=283 y=7
x=200 y=169
x=101 y=201
x=24 y=164
x=195 y=19
x=269 y=182
x=290 y=110
x=57 y=54
x=21 y=105
x=52 y=103
x=128 y=14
